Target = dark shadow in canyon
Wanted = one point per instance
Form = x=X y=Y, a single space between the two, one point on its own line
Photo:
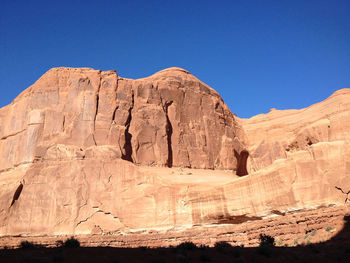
x=242 y=158
x=337 y=249
x=127 y=155
x=17 y=194
x=169 y=133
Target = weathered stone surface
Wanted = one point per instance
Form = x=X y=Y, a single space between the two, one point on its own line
x=87 y=152
x=307 y=147
x=168 y=119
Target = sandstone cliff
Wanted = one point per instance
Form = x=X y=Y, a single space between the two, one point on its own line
x=84 y=151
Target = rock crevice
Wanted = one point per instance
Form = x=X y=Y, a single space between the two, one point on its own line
x=17 y=194
x=128 y=151
x=169 y=133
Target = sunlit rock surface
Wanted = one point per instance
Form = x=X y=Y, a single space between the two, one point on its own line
x=84 y=151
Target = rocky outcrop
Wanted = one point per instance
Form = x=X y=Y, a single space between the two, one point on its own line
x=87 y=152
x=168 y=119
x=307 y=147
x=280 y=134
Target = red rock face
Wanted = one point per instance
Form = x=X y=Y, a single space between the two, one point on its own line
x=169 y=119
x=84 y=151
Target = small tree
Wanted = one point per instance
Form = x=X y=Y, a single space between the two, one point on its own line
x=266 y=244
x=26 y=244
x=187 y=246
x=266 y=240
x=222 y=246
x=72 y=243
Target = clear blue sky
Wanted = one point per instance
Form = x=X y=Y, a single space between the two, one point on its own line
x=257 y=54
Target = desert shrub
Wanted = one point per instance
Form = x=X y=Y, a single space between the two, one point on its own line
x=72 y=243
x=26 y=244
x=187 y=246
x=266 y=244
x=328 y=228
x=266 y=240
x=296 y=241
x=222 y=245
x=203 y=247
x=314 y=232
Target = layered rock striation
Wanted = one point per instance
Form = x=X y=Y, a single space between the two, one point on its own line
x=84 y=151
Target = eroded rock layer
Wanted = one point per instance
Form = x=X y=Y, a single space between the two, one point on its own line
x=87 y=152
x=326 y=224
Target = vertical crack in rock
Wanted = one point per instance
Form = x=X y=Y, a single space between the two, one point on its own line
x=169 y=133
x=241 y=162
x=116 y=99
x=114 y=112
x=64 y=122
x=117 y=106
x=345 y=193
x=127 y=146
x=296 y=175
x=17 y=194
x=97 y=104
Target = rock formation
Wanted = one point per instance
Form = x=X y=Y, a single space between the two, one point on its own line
x=88 y=152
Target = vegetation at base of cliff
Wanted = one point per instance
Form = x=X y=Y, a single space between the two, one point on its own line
x=186 y=252
x=187 y=246
x=328 y=228
x=222 y=245
x=26 y=244
x=266 y=244
x=336 y=249
x=266 y=240
x=71 y=243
